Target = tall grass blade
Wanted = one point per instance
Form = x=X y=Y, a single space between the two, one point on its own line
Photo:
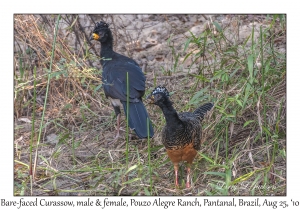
x=149 y=155
x=263 y=74
x=127 y=117
x=32 y=127
x=250 y=67
x=46 y=95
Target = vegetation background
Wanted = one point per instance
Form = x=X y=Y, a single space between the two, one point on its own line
x=63 y=123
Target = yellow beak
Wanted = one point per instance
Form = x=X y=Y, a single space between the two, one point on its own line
x=95 y=36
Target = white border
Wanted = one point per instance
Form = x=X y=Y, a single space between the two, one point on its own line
x=8 y=8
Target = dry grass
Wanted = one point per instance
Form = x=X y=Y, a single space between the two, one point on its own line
x=244 y=138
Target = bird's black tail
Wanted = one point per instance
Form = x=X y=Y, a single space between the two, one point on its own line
x=201 y=111
x=138 y=119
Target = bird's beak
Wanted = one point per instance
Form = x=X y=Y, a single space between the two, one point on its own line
x=94 y=36
x=150 y=99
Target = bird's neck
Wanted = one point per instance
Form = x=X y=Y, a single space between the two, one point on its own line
x=170 y=113
x=106 y=51
x=106 y=47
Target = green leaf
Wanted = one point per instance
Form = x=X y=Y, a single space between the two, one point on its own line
x=44 y=159
x=146 y=191
x=225 y=77
x=240 y=103
x=281 y=18
x=250 y=67
x=208 y=192
x=194 y=37
x=267 y=66
x=219 y=28
x=266 y=130
x=248 y=122
x=234 y=72
x=221 y=174
x=67 y=106
x=97 y=88
x=230 y=115
x=77 y=144
x=254 y=183
x=62 y=139
x=247 y=39
x=131 y=168
x=156 y=148
x=186 y=45
x=207 y=158
x=243 y=178
x=70 y=27
x=247 y=93
x=196 y=98
x=275 y=17
x=187 y=56
x=169 y=40
x=200 y=77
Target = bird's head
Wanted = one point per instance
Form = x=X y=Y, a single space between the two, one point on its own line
x=101 y=32
x=158 y=95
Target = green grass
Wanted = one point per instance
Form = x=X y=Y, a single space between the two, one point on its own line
x=244 y=137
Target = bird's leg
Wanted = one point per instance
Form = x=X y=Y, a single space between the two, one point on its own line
x=118 y=130
x=118 y=126
x=188 y=176
x=118 y=114
x=176 y=174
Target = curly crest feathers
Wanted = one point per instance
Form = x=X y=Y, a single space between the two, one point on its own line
x=160 y=89
x=100 y=26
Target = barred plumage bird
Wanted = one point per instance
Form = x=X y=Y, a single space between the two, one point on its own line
x=182 y=134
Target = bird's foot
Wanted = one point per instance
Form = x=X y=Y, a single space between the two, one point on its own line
x=188 y=177
x=115 y=139
x=117 y=136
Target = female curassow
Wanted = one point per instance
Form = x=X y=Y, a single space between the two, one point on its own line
x=182 y=134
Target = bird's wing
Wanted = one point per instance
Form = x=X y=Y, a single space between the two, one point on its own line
x=193 y=128
x=115 y=79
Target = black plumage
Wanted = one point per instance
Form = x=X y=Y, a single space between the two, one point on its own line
x=182 y=134
x=114 y=78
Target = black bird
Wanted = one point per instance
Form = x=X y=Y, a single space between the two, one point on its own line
x=114 y=77
x=182 y=134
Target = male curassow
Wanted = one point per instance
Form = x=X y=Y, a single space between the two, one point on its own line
x=114 y=78
x=182 y=134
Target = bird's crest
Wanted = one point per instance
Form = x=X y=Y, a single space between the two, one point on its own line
x=100 y=26
x=160 y=89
